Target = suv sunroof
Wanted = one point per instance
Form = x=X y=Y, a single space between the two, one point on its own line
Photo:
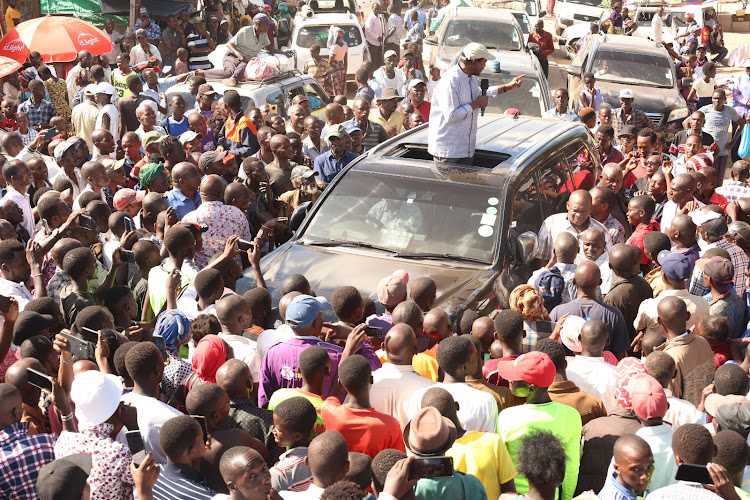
x=482 y=159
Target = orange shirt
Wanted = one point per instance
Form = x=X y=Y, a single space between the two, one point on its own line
x=366 y=431
x=425 y=363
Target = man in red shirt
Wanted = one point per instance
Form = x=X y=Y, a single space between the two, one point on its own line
x=416 y=97
x=546 y=45
x=640 y=210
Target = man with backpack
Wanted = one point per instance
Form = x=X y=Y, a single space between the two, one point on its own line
x=555 y=280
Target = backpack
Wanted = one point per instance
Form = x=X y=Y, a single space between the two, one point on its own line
x=551 y=285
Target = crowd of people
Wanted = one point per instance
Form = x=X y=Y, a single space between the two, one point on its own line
x=132 y=368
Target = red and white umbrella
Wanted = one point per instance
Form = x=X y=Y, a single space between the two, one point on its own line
x=8 y=66
x=56 y=38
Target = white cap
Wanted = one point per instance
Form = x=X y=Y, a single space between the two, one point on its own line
x=700 y=217
x=474 y=51
x=104 y=88
x=90 y=89
x=389 y=53
x=96 y=396
x=626 y=94
x=61 y=148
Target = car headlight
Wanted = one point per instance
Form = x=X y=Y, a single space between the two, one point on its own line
x=678 y=114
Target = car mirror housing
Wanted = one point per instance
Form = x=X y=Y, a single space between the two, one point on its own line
x=528 y=244
x=574 y=70
x=431 y=40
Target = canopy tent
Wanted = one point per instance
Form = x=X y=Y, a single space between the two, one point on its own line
x=91 y=11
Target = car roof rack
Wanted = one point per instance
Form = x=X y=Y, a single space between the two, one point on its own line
x=271 y=79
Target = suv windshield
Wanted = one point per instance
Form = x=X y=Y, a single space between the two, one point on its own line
x=629 y=68
x=590 y=3
x=309 y=35
x=410 y=216
x=493 y=35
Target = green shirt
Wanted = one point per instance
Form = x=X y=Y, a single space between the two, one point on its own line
x=157 y=290
x=247 y=42
x=517 y=422
x=458 y=487
x=283 y=394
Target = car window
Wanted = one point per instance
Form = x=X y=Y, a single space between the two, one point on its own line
x=523 y=21
x=316 y=95
x=274 y=99
x=590 y=3
x=411 y=215
x=493 y=35
x=627 y=67
x=531 y=8
x=528 y=99
x=309 y=35
x=529 y=209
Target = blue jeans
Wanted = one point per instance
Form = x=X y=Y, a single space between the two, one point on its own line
x=720 y=55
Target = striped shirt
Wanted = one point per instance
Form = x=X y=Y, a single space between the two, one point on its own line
x=196 y=60
x=181 y=481
x=734 y=190
x=290 y=473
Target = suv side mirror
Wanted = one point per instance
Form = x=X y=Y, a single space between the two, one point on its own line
x=528 y=244
x=542 y=13
x=295 y=221
x=574 y=70
x=431 y=40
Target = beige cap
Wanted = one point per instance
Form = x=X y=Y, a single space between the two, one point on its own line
x=474 y=51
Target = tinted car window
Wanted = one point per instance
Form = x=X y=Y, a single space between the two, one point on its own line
x=316 y=95
x=309 y=35
x=410 y=215
x=493 y=35
x=523 y=22
x=628 y=67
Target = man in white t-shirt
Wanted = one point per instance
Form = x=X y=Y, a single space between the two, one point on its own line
x=657 y=25
x=109 y=117
x=389 y=75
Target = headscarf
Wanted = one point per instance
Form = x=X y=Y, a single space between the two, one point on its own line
x=527 y=301
x=283 y=7
x=333 y=35
x=209 y=355
x=626 y=368
x=149 y=172
x=174 y=326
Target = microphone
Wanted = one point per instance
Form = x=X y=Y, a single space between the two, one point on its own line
x=484 y=84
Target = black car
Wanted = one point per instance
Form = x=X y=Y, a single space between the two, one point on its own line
x=620 y=62
x=466 y=227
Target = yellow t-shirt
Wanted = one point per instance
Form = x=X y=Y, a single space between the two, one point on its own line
x=425 y=363
x=396 y=119
x=703 y=88
x=11 y=15
x=484 y=455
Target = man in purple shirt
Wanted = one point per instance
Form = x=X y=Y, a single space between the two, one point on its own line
x=280 y=369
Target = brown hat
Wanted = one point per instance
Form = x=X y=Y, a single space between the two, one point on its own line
x=720 y=270
x=206 y=89
x=391 y=291
x=388 y=94
x=429 y=432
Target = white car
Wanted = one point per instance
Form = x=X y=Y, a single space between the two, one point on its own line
x=314 y=28
x=570 y=12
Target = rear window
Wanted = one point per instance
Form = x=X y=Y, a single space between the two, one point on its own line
x=309 y=35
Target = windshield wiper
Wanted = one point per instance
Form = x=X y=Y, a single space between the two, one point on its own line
x=441 y=256
x=345 y=243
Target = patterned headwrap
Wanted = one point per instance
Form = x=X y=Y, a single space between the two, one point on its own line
x=174 y=326
x=626 y=368
x=209 y=355
x=333 y=35
x=149 y=172
x=527 y=301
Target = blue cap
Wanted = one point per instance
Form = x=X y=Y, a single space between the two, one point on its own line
x=261 y=18
x=303 y=310
x=675 y=266
x=351 y=126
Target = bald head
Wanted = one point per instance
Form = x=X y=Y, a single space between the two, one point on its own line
x=566 y=248
x=16 y=376
x=400 y=344
x=587 y=277
x=285 y=301
x=334 y=113
x=594 y=336
x=212 y=188
x=673 y=315
x=579 y=208
x=683 y=230
x=184 y=169
x=484 y=329
x=622 y=260
x=62 y=247
x=437 y=324
x=410 y=313
x=234 y=377
x=612 y=177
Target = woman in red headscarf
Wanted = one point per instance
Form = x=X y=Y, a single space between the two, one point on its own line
x=210 y=353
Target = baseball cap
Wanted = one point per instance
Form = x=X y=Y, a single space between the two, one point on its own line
x=407 y=52
x=104 y=88
x=626 y=94
x=734 y=416
x=190 y=135
x=337 y=130
x=209 y=158
x=140 y=33
x=700 y=217
x=127 y=196
x=150 y=138
x=302 y=171
x=474 y=51
x=715 y=401
x=194 y=227
x=647 y=397
x=628 y=130
x=533 y=367
x=261 y=18
x=720 y=270
x=413 y=83
x=28 y=324
x=64 y=478
x=143 y=11
x=391 y=291
x=112 y=166
x=90 y=89
x=303 y=310
x=351 y=126
x=570 y=335
x=389 y=53
x=61 y=148
x=674 y=265
x=206 y=89
x=96 y=396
